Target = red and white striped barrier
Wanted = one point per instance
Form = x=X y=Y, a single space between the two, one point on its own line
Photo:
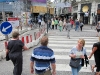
x=27 y=40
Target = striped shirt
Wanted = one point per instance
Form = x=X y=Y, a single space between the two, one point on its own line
x=42 y=56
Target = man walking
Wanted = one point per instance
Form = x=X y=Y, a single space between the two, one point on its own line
x=43 y=58
x=68 y=28
x=77 y=25
x=96 y=52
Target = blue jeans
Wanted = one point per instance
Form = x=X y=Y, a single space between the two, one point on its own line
x=75 y=70
x=77 y=27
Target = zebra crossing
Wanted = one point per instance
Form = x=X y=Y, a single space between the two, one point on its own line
x=61 y=46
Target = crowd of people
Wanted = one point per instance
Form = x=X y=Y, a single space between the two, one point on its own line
x=42 y=59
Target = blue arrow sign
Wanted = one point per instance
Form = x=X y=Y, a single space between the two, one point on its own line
x=6 y=28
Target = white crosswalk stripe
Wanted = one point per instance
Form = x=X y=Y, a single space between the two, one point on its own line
x=61 y=44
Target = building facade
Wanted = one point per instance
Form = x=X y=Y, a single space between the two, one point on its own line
x=86 y=10
x=14 y=8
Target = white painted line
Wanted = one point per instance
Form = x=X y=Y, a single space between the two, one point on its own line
x=66 y=50
x=66 y=45
x=66 y=39
x=66 y=57
x=66 y=67
x=73 y=37
x=70 y=41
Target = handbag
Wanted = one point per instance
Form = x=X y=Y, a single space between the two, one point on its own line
x=7 y=57
x=75 y=62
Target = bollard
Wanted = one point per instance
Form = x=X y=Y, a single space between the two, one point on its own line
x=23 y=39
x=30 y=38
x=34 y=35
x=27 y=39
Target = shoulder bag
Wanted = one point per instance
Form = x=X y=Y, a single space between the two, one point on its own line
x=75 y=62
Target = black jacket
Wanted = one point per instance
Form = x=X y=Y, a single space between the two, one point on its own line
x=86 y=60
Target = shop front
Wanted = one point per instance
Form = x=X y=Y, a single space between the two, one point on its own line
x=85 y=13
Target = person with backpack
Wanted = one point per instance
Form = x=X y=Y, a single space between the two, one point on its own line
x=96 y=52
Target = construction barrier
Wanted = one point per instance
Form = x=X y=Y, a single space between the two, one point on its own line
x=27 y=40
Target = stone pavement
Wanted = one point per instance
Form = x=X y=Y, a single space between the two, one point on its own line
x=6 y=67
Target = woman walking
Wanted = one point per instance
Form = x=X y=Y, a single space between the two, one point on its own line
x=14 y=48
x=60 y=25
x=77 y=53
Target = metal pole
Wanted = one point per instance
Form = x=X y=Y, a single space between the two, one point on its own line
x=47 y=14
x=4 y=19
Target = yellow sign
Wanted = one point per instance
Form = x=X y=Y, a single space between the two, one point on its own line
x=51 y=10
x=85 y=8
x=38 y=9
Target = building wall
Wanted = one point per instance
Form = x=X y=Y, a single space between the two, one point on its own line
x=93 y=10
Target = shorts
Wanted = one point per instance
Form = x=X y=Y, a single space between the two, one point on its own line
x=98 y=30
x=98 y=69
x=45 y=73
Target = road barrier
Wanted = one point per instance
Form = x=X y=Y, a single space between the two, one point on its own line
x=29 y=41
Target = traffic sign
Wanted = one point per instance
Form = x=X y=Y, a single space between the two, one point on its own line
x=6 y=28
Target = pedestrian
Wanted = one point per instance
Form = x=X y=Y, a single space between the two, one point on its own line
x=68 y=28
x=39 y=22
x=52 y=23
x=60 y=25
x=92 y=68
x=77 y=53
x=14 y=48
x=49 y=24
x=42 y=23
x=42 y=59
x=30 y=23
x=96 y=52
x=64 y=24
x=72 y=23
x=56 y=23
x=77 y=23
x=81 y=25
x=98 y=28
